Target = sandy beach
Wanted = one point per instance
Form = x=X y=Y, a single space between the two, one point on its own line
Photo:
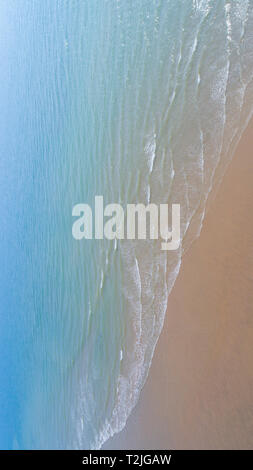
x=200 y=388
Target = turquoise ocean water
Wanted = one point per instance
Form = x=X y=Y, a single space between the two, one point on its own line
x=138 y=101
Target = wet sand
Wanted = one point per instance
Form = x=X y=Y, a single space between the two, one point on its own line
x=199 y=394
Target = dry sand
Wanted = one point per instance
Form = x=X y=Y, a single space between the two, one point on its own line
x=199 y=394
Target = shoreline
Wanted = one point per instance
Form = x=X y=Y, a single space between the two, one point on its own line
x=199 y=391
